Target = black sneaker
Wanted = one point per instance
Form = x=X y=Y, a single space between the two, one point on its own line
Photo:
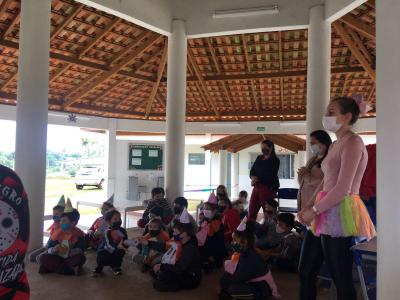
x=117 y=271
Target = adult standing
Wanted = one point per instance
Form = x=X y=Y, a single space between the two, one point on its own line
x=14 y=236
x=264 y=178
x=338 y=213
x=310 y=176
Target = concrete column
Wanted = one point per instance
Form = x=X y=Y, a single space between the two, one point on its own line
x=318 y=69
x=223 y=164
x=111 y=145
x=176 y=109
x=32 y=107
x=234 y=175
x=388 y=145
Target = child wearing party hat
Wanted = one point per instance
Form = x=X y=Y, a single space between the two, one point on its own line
x=96 y=232
x=58 y=210
x=211 y=235
x=180 y=266
x=65 y=254
x=246 y=273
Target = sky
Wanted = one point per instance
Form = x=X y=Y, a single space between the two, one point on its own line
x=58 y=137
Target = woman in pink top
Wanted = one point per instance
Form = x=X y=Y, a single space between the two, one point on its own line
x=337 y=214
x=310 y=176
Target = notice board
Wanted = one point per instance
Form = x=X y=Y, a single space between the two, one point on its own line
x=145 y=157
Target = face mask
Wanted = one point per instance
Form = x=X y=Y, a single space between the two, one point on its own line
x=279 y=229
x=154 y=233
x=116 y=225
x=177 y=237
x=330 y=124
x=315 y=149
x=236 y=247
x=266 y=152
x=56 y=219
x=221 y=209
x=65 y=226
x=177 y=210
x=208 y=214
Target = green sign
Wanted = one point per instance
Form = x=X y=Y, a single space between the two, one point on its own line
x=260 y=129
x=145 y=157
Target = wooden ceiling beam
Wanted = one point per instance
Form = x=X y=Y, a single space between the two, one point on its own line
x=359 y=43
x=281 y=68
x=12 y=25
x=150 y=38
x=4 y=5
x=203 y=85
x=66 y=20
x=342 y=31
x=98 y=38
x=160 y=73
x=215 y=61
x=255 y=139
x=247 y=59
x=132 y=96
x=360 y=26
x=280 y=141
x=58 y=73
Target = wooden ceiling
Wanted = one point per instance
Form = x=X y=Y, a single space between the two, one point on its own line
x=104 y=66
x=237 y=142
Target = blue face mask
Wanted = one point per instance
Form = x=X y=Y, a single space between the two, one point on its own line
x=236 y=247
x=177 y=237
x=56 y=219
x=65 y=226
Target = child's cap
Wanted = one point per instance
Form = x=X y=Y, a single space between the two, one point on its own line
x=184 y=217
x=212 y=199
x=61 y=202
x=68 y=206
x=157 y=210
x=242 y=225
x=110 y=200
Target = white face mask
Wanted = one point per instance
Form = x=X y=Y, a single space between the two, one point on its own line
x=330 y=124
x=208 y=214
x=315 y=149
x=279 y=229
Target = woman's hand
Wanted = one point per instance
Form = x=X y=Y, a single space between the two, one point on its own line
x=302 y=171
x=307 y=216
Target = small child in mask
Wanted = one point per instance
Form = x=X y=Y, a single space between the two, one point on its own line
x=155 y=233
x=65 y=254
x=112 y=248
x=58 y=210
x=286 y=255
x=96 y=232
x=211 y=236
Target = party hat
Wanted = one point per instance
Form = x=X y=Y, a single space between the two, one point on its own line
x=184 y=217
x=68 y=206
x=212 y=199
x=242 y=225
x=110 y=200
x=61 y=202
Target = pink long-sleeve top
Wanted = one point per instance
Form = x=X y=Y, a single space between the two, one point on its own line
x=343 y=169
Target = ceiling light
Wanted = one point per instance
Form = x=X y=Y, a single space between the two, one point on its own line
x=246 y=12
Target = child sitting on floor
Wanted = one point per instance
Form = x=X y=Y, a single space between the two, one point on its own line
x=180 y=267
x=246 y=274
x=58 y=210
x=66 y=246
x=151 y=257
x=112 y=248
x=96 y=232
x=180 y=204
x=211 y=236
x=286 y=255
x=267 y=237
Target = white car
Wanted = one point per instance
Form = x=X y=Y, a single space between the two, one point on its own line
x=89 y=176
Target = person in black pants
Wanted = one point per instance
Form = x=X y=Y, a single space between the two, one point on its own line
x=111 y=251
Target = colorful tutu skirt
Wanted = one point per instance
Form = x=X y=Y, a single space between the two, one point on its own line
x=349 y=218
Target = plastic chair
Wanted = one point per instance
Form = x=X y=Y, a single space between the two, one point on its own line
x=287 y=194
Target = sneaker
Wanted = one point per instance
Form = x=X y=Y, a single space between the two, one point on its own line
x=117 y=271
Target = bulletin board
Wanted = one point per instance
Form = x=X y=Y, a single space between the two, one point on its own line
x=145 y=157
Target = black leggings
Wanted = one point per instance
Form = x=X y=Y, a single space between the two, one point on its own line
x=339 y=260
x=168 y=281
x=114 y=260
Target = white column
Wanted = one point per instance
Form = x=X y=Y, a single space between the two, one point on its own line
x=234 y=175
x=223 y=167
x=388 y=145
x=32 y=106
x=111 y=145
x=176 y=109
x=318 y=69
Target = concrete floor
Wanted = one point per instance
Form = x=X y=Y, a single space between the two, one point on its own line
x=131 y=285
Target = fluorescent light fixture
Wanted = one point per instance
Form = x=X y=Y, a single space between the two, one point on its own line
x=246 y=12
x=301 y=123
x=222 y=124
